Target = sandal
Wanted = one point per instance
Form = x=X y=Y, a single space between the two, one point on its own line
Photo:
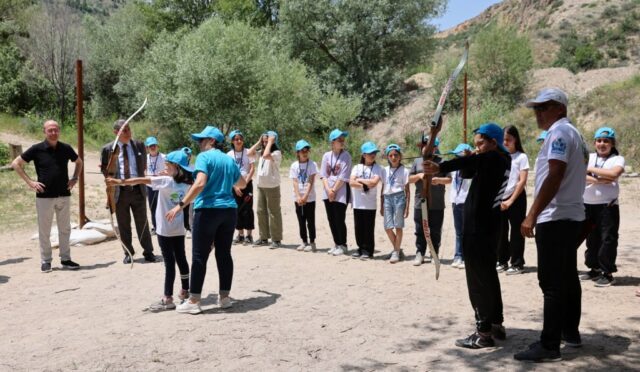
x=161 y=305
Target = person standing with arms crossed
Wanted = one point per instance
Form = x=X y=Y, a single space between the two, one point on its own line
x=155 y=165
x=557 y=215
x=53 y=191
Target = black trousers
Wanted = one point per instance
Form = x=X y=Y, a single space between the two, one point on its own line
x=557 y=245
x=602 y=242
x=364 y=223
x=152 y=197
x=131 y=200
x=482 y=279
x=172 y=248
x=185 y=212
x=436 y=218
x=307 y=219
x=245 y=208
x=336 y=215
x=511 y=245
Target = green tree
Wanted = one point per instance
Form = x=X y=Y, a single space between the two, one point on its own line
x=256 y=12
x=171 y=15
x=360 y=47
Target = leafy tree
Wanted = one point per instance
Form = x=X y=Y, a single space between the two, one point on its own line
x=255 y=12
x=578 y=53
x=172 y=15
x=360 y=47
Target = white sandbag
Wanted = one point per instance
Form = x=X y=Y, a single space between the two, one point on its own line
x=104 y=228
x=85 y=237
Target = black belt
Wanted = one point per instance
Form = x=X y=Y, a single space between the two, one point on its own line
x=129 y=188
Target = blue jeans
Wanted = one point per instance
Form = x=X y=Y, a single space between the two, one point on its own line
x=458 y=223
x=394 y=205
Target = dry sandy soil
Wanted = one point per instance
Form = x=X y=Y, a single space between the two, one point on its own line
x=295 y=311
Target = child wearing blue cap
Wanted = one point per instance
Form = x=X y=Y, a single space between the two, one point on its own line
x=155 y=165
x=335 y=171
x=268 y=182
x=395 y=199
x=244 y=196
x=171 y=189
x=364 y=181
x=489 y=169
x=457 y=198
x=303 y=173
x=602 y=208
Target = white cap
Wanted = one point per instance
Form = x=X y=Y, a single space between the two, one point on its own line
x=549 y=94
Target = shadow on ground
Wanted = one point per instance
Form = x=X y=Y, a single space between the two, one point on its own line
x=14 y=260
x=244 y=305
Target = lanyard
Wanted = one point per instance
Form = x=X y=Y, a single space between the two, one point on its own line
x=153 y=166
x=240 y=160
x=332 y=165
x=458 y=182
x=302 y=173
x=364 y=173
x=605 y=160
x=391 y=179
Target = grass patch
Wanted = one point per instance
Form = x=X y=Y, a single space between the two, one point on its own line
x=18 y=203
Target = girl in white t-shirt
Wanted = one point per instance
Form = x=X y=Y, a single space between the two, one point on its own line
x=171 y=189
x=395 y=197
x=514 y=206
x=303 y=173
x=155 y=165
x=602 y=209
x=364 y=186
x=244 y=197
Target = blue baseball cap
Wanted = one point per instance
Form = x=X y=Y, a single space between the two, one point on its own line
x=180 y=157
x=209 y=132
x=337 y=133
x=271 y=133
x=301 y=145
x=605 y=132
x=542 y=136
x=150 y=141
x=460 y=149
x=235 y=133
x=369 y=148
x=392 y=147
x=493 y=131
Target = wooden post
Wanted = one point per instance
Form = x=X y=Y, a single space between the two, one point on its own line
x=464 y=109
x=16 y=150
x=80 y=124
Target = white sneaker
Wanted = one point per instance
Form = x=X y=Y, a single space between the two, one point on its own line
x=310 y=247
x=225 y=303
x=395 y=257
x=455 y=263
x=188 y=308
x=339 y=251
x=332 y=249
x=418 y=260
x=301 y=247
x=460 y=265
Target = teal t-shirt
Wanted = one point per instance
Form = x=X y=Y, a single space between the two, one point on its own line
x=222 y=173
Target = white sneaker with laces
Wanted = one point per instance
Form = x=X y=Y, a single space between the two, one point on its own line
x=310 y=247
x=339 y=251
x=418 y=260
x=301 y=247
x=189 y=308
x=395 y=257
x=332 y=249
x=456 y=262
x=461 y=265
x=225 y=303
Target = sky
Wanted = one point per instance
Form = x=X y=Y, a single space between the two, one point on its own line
x=459 y=11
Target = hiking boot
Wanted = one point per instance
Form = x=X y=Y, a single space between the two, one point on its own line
x=45 y=267
x=590 y=275
x=70 y=265
x=537 y=353
x=605 y=280
x=498 y=332
x=475 y=341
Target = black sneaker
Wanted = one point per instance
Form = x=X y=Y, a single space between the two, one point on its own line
x=70 y=265
x=605 y=280
x=538 y=354
x=475 y=341
x=261 y=243
x=46 y=267
x=573 y=342
x=149 y=258
x=126 y=260
x=238 y=240
x=501 y=268
x=498 y=332
x=591 y=275
x=248 y=240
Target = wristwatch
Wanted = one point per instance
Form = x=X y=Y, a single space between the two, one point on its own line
x=181 y=204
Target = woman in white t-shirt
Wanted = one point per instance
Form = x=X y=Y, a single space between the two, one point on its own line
x=395 y=199
x=602 y=209
x=244 y=197
x=171 y=189
x=364 y=186
x=303 y=173
x=514 y=206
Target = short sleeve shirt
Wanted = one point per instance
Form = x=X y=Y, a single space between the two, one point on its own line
x=563 y=143
x=333 y=168
x=395 y=179
x=304 y=173
x=51 y=167
x=519 y=162
x=603 y=193
x=155 y=164
x=268 y=172
x=366 y=199
x=170 y=194
x=437 y=191
x=459 y=188
x=222 y=173
x=243 y=160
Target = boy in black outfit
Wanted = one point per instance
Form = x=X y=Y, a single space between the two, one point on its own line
x=489 y=167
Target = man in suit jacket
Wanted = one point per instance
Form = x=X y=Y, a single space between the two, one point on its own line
x=131 y=163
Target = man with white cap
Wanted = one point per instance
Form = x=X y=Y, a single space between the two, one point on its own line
x=557 y=215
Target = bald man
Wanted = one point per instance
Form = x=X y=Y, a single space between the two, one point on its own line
x=53 y=191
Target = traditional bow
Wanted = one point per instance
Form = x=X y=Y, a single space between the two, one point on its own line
x=110 y=172
x=427 y=154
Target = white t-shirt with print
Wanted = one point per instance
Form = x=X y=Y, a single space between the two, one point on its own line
x=170 y=194
x=459 y=188
x=268 y=172
x=603 y=193
x=359 y=198
x=563 y=143
x=304 y=173
x=243 y=160
x=155 y=164
x=333 y=168
x=395 y=179
x=519 y=162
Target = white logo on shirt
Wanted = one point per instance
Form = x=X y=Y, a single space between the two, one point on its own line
x=558 y=146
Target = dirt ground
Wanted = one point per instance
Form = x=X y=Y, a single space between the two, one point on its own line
x=294 y=310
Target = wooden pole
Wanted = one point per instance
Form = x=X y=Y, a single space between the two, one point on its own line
x=80 y=124
x=464 y=109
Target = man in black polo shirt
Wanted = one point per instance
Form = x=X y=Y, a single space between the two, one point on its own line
x=53 y=191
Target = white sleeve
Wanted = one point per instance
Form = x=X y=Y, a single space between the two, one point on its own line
x=618 y=161
x=160 y=182
x=558 y=146
x=277 y=157
x=313 y=168
x=524 y=162
x=293 y=171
